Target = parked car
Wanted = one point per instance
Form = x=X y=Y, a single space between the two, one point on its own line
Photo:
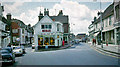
x=7 y=55
x=76 y=41
x=33 y=46
x=17 y=50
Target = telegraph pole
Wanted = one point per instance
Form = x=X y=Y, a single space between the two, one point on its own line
x=101 y=25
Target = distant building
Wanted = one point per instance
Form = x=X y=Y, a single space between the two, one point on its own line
x=83 y=37
x=64 y=19
x=91 y=32
x=48 y=33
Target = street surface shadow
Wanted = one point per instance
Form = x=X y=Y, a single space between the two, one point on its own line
x=19 y=55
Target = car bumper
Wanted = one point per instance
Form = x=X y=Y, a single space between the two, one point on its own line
x=18 y=53
x=6 y=61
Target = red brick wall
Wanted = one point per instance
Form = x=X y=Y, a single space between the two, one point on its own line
x=14 y=25
x=66 y=28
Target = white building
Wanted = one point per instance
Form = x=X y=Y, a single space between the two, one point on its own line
x=110 y=33
x=4 y=38
x=48 y=33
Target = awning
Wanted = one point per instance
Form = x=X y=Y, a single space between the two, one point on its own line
x=96 y=34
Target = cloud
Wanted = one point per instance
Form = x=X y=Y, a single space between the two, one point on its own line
x=31 y=16
x=79 y=14
x=16 y=1
x=10 y=8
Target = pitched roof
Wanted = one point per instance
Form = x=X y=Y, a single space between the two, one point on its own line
x=62 y=19
x=19 y=21
x=43 y=19
x=108 y=12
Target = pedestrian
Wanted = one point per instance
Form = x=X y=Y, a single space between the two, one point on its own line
x=63 y=43
x=94 y=41
x=106 y=43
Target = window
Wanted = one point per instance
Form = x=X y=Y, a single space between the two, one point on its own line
x=96 y=25
x=110 y=20
x=50 y=26
x=14 y=39
x=106 y=22
x=42 y=26
x=117 y=12
x=23 y=31
x=103 y=23
x=46 y=26
x=57 y=27
x=14 y=30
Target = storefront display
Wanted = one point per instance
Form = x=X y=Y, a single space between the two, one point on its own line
x=46 y=40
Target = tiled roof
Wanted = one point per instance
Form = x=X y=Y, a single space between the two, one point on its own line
x=19 y=21
x=62 y=19
x=108 y=11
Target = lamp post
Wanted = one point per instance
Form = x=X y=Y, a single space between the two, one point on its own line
x=72 y=26
x=72 y=31
x=101 y=23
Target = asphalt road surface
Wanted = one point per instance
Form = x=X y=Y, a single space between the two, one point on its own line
x=78 y=54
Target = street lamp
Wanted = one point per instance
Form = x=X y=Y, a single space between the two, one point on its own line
x=101 y=24
x=72 y=26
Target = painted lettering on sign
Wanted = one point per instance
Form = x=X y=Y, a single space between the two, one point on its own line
x=46 y=30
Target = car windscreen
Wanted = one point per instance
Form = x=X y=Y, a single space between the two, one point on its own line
x=4 y=51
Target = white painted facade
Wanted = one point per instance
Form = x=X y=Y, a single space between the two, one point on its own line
x=55 y=32
x=3 y=41
x=22 y=35
x=109 y=30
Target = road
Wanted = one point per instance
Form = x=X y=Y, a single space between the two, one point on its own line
x=78 y=54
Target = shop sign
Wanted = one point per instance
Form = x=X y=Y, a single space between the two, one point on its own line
x=46 y=30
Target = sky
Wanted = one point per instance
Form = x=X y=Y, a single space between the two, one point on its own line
x=80 y=13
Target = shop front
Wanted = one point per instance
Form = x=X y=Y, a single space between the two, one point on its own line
x=44 y=40
x=50 y=40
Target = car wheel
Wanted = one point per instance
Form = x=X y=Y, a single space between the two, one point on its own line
x=13 y=61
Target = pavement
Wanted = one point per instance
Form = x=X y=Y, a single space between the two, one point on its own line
x=111 y=48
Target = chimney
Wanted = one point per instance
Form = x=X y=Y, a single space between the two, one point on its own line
x=95 y=18
x=8 y=16
x=60 y=13
x=46 y=12
x=40 y=16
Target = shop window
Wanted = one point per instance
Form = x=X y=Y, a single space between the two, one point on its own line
x=46 y=41
x=52 y=41
x=40 y=41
